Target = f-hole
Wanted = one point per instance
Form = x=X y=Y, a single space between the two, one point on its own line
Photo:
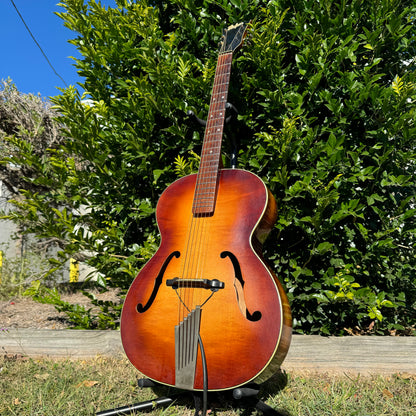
x=239 y=288
x=158 y=281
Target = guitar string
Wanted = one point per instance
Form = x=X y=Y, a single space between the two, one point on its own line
x=210 y=177
x=216 y=126
x=205 y=184
x=219 y=99
x=198 y=242
x=189 y=264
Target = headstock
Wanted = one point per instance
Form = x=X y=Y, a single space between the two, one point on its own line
x=233 y=37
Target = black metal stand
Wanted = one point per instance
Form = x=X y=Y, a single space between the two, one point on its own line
x=246 y=397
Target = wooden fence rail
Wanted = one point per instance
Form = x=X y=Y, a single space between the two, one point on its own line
x=360 y=355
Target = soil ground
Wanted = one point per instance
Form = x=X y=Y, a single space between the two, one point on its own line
x=23 y=312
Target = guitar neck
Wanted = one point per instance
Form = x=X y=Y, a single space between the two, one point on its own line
x=207 y=178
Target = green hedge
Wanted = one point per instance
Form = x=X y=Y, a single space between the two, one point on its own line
x=325 y=92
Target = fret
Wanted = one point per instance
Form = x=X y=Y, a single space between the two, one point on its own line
x=207 y=177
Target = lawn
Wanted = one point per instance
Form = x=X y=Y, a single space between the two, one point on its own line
x=45 y=387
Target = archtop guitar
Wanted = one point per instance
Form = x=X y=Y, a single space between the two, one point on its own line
x=206 y=306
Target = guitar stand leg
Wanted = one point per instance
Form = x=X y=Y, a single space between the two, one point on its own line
x=248 y=395
x=142 y=406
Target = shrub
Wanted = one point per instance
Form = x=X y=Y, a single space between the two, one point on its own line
x=325 y=92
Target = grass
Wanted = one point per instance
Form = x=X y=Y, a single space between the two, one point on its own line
x=56 y=387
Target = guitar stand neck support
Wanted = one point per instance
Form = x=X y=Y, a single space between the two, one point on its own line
x=232 y=112
x=230 y=108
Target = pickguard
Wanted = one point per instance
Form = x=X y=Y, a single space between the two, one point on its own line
x=239 y=288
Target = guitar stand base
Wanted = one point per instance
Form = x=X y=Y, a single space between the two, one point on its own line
x=147 y=405
x=246 y=396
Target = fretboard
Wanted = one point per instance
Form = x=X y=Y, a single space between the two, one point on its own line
x=207 y=178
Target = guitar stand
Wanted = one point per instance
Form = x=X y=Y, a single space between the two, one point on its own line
x=245 y=396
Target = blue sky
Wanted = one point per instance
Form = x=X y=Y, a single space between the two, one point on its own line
x=21 y=59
